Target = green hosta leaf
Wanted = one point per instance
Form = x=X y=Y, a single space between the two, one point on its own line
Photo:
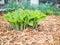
x=30 y=23
x=12 y=20
x=41 y=15
x=22 y=14
x=34 y=14
x=41 y=19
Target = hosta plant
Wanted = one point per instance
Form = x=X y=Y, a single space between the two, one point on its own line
x=22 y=19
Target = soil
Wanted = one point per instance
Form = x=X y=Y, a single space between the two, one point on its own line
x=31 y=36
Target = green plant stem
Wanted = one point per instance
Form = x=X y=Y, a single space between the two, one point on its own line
x=24 y=26
x=12 y=25
x=16 y=26
x=21 y=27
x=34 y=23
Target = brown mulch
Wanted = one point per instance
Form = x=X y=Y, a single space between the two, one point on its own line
x=52 y=23
x=30 y=36
x=4 y=25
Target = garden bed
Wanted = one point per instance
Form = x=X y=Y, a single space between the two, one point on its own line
x=47 y=33
x=30 y=37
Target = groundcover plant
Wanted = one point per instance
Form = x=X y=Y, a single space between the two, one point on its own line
x=22 y=19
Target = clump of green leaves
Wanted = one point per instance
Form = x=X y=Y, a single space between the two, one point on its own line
x=12 y=5
x=49 y=12
x=48 y=8
x=57 y=12
x=22 y=19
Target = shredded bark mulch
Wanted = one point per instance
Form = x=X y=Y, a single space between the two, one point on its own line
x=52 y=23
x=4 y=24
x=29 y=37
